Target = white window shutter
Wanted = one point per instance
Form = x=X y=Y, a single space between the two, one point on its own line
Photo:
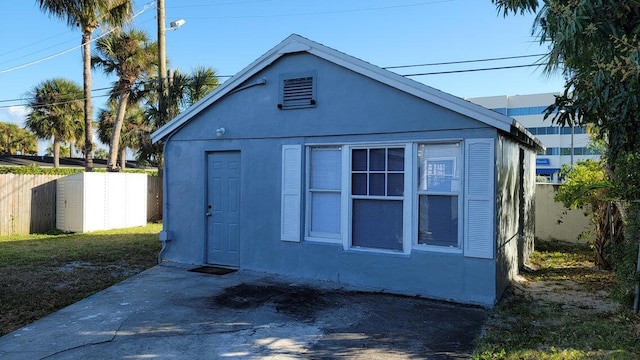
x=291 y=192
x=479 y=210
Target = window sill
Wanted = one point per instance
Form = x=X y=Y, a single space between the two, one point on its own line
x=332 y=241
x=437 y=249
x=378 y=251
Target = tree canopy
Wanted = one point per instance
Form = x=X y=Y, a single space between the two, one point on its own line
x=596 y=45
x=15 y=140
x=185 y=89
x=132 y=57
x=88 y=15
x=55 y=112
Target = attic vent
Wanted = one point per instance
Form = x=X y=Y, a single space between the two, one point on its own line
x=297 y=92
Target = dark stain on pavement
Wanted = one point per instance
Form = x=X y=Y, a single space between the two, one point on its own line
x=301 y=302
x=379 y=322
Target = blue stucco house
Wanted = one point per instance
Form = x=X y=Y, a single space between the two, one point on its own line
x=313 y=163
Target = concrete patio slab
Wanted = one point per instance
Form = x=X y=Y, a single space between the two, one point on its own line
x=167 y=312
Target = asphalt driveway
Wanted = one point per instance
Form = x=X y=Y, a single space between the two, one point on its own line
x=168 y=312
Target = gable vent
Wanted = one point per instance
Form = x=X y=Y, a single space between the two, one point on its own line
x=297 y=93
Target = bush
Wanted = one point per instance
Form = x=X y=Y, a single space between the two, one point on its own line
x=36 y=170
x=587 y=187
x=625 y=254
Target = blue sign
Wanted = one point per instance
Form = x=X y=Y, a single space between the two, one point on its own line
x=543 y=161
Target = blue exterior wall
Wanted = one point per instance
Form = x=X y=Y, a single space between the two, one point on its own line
x=350 y=109
x=515 y=193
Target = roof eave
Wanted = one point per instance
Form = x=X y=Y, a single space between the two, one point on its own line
x=287 y=46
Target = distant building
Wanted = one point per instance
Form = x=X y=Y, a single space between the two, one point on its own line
x=565 y=145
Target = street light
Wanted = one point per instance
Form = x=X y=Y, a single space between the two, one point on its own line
x=175 y=25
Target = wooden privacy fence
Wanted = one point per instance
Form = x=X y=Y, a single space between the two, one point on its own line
x=28 y=203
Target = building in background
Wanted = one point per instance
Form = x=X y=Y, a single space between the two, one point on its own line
x=565 y=145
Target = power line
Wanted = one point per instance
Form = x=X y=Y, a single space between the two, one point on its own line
x=35 y=43
x=470 y=70
x=463 y=61
x=25 y=99
x=145 y=8
x=216 y=4
x=323 y=12
x=401 y=66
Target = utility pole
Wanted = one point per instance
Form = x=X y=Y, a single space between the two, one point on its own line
x=162 y=62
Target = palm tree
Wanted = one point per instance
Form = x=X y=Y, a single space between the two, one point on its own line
x=134 y=125
x=184 y=90
x=56 y=111
x=14 y=140
x=101 y=153
x=88 y=15
x=130 y=56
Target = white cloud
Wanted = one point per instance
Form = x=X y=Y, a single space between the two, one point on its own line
x=14 y=114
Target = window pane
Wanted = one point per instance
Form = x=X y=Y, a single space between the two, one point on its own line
x=438 y=167
x=377 y=224
x=325 y=213
x=325 y=168
x=359 y=160
x=359 y=184
x=438 y=220
x=376 y=184
x=377 y=159
x=439 y=175
x=395 y=185
x=396 y=159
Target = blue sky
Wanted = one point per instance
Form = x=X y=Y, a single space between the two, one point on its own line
x=229 y=34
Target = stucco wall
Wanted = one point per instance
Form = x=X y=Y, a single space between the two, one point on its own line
x=554 y=221
x=529 y=208
x=515 y=198
x=507 y=209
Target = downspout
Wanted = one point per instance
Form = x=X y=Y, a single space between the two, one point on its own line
x=164 y=235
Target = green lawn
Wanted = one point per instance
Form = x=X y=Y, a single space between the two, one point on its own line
x=562 y=311
x=40 y=274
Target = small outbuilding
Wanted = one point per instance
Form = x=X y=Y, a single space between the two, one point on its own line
x=91 y=201
x=313 y=163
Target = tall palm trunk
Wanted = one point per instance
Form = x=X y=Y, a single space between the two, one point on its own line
x=117 y=128
x=56 y=152
x=88 y=121
x=123 y=158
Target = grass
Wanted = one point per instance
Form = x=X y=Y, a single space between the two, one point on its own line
x=567 y=321
x=40 y=274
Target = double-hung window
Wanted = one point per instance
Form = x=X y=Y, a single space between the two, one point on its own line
x=439 y=187
x=324 y=193
x=377 y=197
